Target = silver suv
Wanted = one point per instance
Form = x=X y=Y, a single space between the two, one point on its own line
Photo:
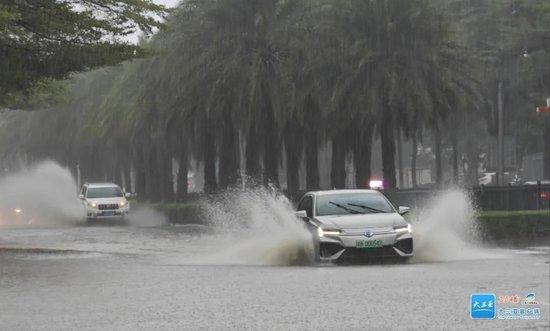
x=104 y=200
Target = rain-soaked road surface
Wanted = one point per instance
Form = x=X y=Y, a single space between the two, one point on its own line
x=127 y=278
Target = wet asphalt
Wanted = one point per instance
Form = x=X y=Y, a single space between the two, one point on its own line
x=164 y=278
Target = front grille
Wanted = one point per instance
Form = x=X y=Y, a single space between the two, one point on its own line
x=368 y=253
x=405 y=245
x=108 y=206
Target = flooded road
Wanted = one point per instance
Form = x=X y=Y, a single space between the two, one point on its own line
x=182 y=277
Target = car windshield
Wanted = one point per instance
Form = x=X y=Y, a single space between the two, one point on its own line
x=352 y=203
x=104 y=192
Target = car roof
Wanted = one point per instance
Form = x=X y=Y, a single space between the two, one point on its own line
x=331 y=192
x=101 y=185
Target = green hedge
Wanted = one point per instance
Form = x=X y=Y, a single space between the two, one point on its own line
x=182 y=213
x=516 y=214
x=515 y=225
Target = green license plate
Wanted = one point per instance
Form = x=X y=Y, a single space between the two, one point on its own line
x=368 y=243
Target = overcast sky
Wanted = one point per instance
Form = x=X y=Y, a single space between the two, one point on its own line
x=168 y=3
x=133 y=38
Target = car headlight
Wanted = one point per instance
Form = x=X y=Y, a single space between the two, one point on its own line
x=123 y=203
x=327 y=232
x=403 y=229
x=92 y=204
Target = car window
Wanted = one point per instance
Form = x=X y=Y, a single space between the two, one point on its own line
x=307 y=205
x=352 y=203
x=104 y=192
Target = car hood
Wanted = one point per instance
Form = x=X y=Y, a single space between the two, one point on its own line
x=105 y=200
x=361 y=221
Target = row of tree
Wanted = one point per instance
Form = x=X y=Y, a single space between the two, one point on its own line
x=269 y=81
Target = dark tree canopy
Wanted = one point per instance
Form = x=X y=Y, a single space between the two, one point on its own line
x=50 y=39
x=281 y=84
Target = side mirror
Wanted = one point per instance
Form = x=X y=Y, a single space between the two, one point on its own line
x=81 y=196
x=403 y=210
x=127 y=194
x=301 y=214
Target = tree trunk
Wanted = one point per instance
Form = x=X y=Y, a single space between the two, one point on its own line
x=312 y=159
x=155 y=175
x=362 y=157
x=147 y=157
x=454 y=142
x=414 y=154
x=388 y=150
x=437 y=150
x=471 y=151
x=164 y=170
x=139 y=168
x=183 y=170
x=252 y=153
x=229 y=164
x=400 y=159
x=209 y=158
x=338 y=161
x=293 y=147
x=118 y=174
x=271 y=147
x=311 y=141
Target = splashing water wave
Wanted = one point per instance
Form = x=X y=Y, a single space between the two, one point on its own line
x=43 y=195
x=445 y=229
x=255 y=227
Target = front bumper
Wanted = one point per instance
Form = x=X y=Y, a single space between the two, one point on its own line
x=114 y=213
x=344 y=247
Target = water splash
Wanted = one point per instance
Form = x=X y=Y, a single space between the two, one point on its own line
x=257 y=227
x=445 y=229
x=43 y=195
x=144 y=216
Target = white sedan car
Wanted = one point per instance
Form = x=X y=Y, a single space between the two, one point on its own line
x=355 y=224
x=104 y=200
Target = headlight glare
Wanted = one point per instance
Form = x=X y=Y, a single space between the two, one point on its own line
x=327 y=232
x=403 y=229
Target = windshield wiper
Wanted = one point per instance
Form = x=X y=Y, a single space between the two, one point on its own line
x=367 y=207
x=350 y=210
